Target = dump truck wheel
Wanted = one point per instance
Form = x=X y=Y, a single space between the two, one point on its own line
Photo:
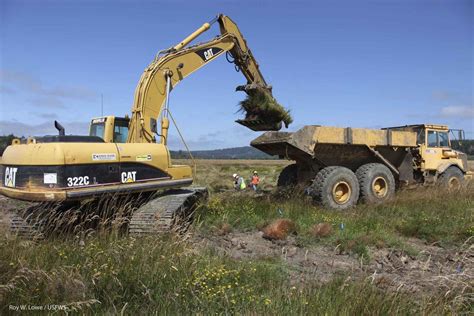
x=452 y=178
x=377 y=183
x=288 y=176
x=335 y=187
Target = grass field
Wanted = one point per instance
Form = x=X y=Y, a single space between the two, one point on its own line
x=413 y=255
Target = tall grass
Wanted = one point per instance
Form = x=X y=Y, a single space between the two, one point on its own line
x=150 y=275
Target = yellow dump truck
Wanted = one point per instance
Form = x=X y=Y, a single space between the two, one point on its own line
x=340 y=166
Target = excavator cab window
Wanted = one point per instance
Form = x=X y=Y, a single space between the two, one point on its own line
x=120 y=130
x=97 y=127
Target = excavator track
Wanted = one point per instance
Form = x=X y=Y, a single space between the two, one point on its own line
x=170 y=212
x=27 y=224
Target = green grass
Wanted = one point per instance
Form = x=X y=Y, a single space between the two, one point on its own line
x=149 y=275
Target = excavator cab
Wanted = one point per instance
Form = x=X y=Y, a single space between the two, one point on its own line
x=110 y=128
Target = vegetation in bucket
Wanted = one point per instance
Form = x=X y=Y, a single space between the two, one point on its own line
x=259 y=104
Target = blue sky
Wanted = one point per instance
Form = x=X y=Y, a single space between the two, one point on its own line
x=339 y=63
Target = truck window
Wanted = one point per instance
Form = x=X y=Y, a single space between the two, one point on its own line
x=420 y=138
x=432 y=139
x=443 y=139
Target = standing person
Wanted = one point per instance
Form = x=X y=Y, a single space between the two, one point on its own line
x=255 y=180
x=239 y=182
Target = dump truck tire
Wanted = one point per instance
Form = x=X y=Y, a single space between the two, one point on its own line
x=376 y=182
x=451 y=178
x=335 y=187
x=288 y=176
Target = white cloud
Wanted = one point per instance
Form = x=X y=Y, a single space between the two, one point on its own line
x=47 y=102
x=46 y=116
x=236 y=136
x=46 y=128
x=457 y=111
x=28 y=83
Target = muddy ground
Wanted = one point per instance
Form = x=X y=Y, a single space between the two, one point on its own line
x=433 y=269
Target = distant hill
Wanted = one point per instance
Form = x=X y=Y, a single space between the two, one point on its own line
x=246 y=152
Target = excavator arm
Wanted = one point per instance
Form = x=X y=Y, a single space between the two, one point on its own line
x=176 y=63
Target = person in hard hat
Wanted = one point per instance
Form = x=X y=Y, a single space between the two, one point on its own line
x=239 y=182
x=255 y=181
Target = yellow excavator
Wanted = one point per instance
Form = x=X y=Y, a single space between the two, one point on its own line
x=129 y=154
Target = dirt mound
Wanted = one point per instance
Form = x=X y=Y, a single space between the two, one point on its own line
x=279 y=229
x=321 y=230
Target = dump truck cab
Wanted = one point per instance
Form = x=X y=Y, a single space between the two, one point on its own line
x=434 y=154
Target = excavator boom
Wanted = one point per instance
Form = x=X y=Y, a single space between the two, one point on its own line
x=171 y=66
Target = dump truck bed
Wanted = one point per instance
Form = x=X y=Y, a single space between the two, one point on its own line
x=306 y=139
x=336 y=146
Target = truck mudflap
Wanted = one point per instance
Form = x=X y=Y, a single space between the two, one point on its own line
x=76 y=193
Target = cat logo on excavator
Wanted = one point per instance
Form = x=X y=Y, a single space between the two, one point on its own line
x=129 y=177
x=10 y=176
x=207 y=54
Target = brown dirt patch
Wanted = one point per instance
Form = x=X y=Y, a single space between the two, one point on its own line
x=433 y=270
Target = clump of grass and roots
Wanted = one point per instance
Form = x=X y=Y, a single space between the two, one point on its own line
x=260 y=104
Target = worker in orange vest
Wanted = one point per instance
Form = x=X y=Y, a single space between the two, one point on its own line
x=255 y=181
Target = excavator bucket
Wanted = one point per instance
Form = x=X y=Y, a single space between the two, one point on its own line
x=259 y=125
